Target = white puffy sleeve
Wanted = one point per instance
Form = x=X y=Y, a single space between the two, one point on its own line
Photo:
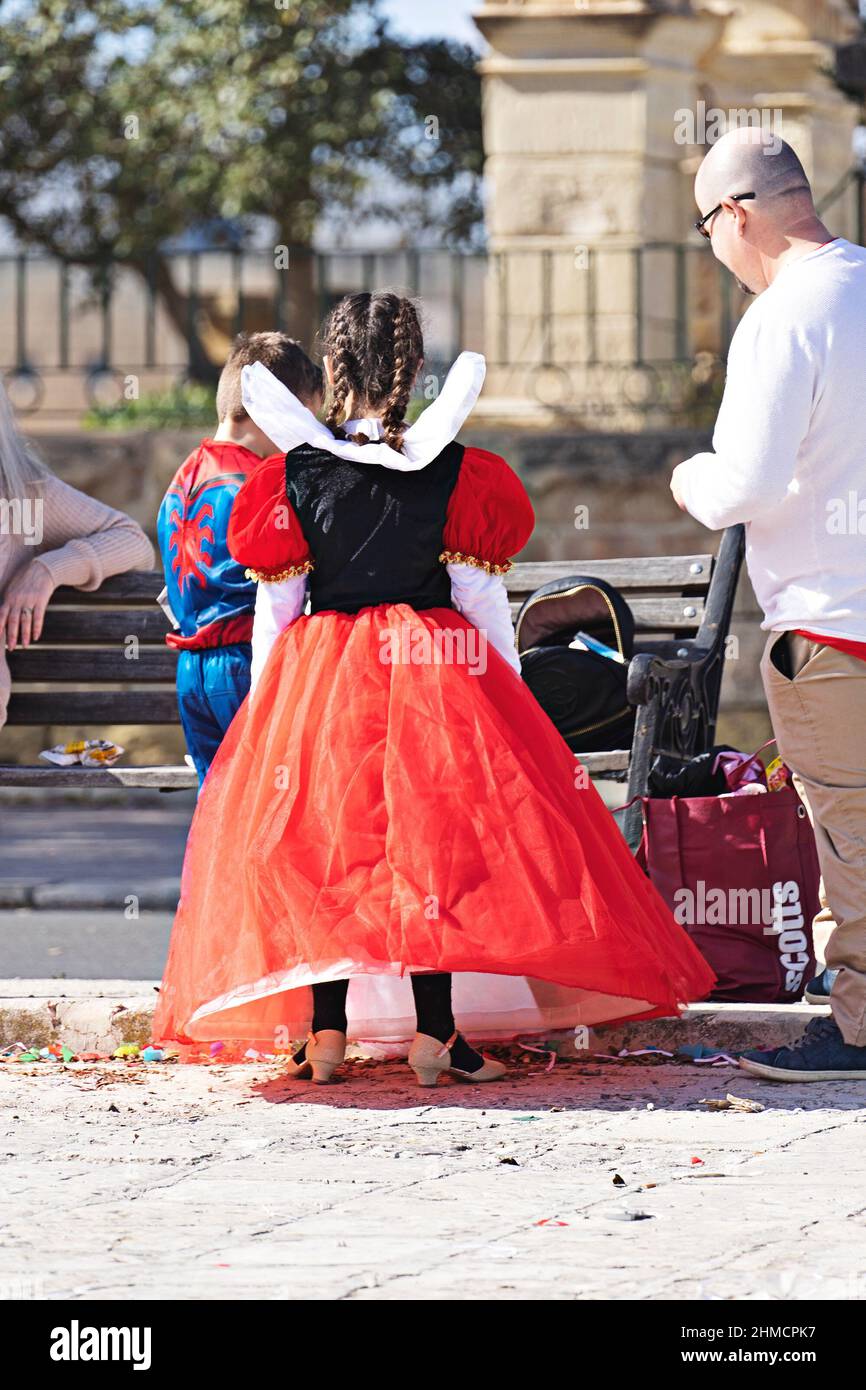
x=277 y=606
x=482 y=599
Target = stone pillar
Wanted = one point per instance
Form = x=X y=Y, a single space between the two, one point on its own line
x=777 y=58
x=582 y=105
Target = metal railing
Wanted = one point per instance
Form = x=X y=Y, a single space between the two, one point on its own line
x=643 y=327
x=58 y=327
x=61 y=324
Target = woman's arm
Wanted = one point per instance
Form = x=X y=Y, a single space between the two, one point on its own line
x=77 y=541
x=84 y=540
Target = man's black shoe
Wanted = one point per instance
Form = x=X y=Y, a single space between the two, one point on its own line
x=818 y=990
x=821 y=1055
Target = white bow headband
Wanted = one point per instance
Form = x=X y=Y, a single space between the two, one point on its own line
x=287 y=421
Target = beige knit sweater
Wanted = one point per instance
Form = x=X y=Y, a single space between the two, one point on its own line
x=82 y=542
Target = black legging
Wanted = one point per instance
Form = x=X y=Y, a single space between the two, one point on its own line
x=432 y=1005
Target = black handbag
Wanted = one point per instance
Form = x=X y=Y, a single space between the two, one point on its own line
x=582 y=691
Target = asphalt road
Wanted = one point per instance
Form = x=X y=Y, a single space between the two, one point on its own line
x=83 y=945
x=137 y=840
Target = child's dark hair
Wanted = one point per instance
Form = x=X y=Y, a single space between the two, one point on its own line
x=376 y=346
x=281 y=354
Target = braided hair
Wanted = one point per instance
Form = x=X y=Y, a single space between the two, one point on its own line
x=376 y=346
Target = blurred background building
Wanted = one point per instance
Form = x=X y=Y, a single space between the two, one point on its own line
x=596 y=117
x=584 y=282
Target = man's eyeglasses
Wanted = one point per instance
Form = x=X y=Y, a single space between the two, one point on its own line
x=701 y=224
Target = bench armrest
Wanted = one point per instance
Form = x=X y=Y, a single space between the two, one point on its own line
x=677 y=701
x=648 y=671
x=676 y=695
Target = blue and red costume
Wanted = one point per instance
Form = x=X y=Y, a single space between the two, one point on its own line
x=209 y=594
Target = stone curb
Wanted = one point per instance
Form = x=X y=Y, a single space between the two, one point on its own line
x=90 y=1017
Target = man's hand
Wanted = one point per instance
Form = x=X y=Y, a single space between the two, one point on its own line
x=675 y=489
x=22 y=608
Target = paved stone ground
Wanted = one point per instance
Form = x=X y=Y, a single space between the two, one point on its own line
x=235 y=1182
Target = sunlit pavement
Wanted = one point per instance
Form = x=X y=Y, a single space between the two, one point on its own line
x=602 y=1180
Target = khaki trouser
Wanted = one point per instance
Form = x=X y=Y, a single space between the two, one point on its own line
x=817 y=700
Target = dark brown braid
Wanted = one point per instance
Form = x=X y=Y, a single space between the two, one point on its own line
x=337 y=342
x=408 y=351
x=376 y=346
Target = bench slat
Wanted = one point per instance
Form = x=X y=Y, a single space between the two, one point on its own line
x=168 y=778
x=596 y=764
x=178 y=778
x=638 y=574
x=657 y=614
x=653 y=613
x=68 y=628
x=632 y=576
x=94 y=709
x=95 y=667
x=138 y=587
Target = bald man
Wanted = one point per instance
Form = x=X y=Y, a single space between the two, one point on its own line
x=789 y=460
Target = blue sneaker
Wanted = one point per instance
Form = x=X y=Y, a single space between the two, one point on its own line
x=818 y=990
x=821 y=1055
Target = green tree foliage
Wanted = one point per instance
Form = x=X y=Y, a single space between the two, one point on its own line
x=126 y=122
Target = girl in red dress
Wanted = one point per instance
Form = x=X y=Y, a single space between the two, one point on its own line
x=391 y=807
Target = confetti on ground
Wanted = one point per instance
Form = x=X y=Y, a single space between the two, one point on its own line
x=729 y=1102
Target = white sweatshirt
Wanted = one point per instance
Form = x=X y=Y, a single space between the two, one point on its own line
x=789 y=448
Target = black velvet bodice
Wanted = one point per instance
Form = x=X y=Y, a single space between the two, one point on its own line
x=374 y=533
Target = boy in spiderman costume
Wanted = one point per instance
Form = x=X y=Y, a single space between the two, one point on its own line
x=208 y=592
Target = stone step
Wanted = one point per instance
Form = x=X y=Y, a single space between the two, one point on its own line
x=99 y=1015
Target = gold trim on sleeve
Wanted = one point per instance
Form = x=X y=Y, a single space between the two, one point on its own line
x=456 y=557
x=275 y=576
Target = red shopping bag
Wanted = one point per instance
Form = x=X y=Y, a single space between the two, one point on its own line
x=741 y=874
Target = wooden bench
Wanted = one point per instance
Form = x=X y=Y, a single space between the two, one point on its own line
x=682 y=605
x=102 y=661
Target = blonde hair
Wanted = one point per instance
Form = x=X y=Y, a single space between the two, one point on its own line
x=20 y=468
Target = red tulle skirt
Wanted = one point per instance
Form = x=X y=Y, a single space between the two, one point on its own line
x=392 y=799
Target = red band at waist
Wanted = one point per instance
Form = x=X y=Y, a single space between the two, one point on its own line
x=842 y=644
x=223 y=633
